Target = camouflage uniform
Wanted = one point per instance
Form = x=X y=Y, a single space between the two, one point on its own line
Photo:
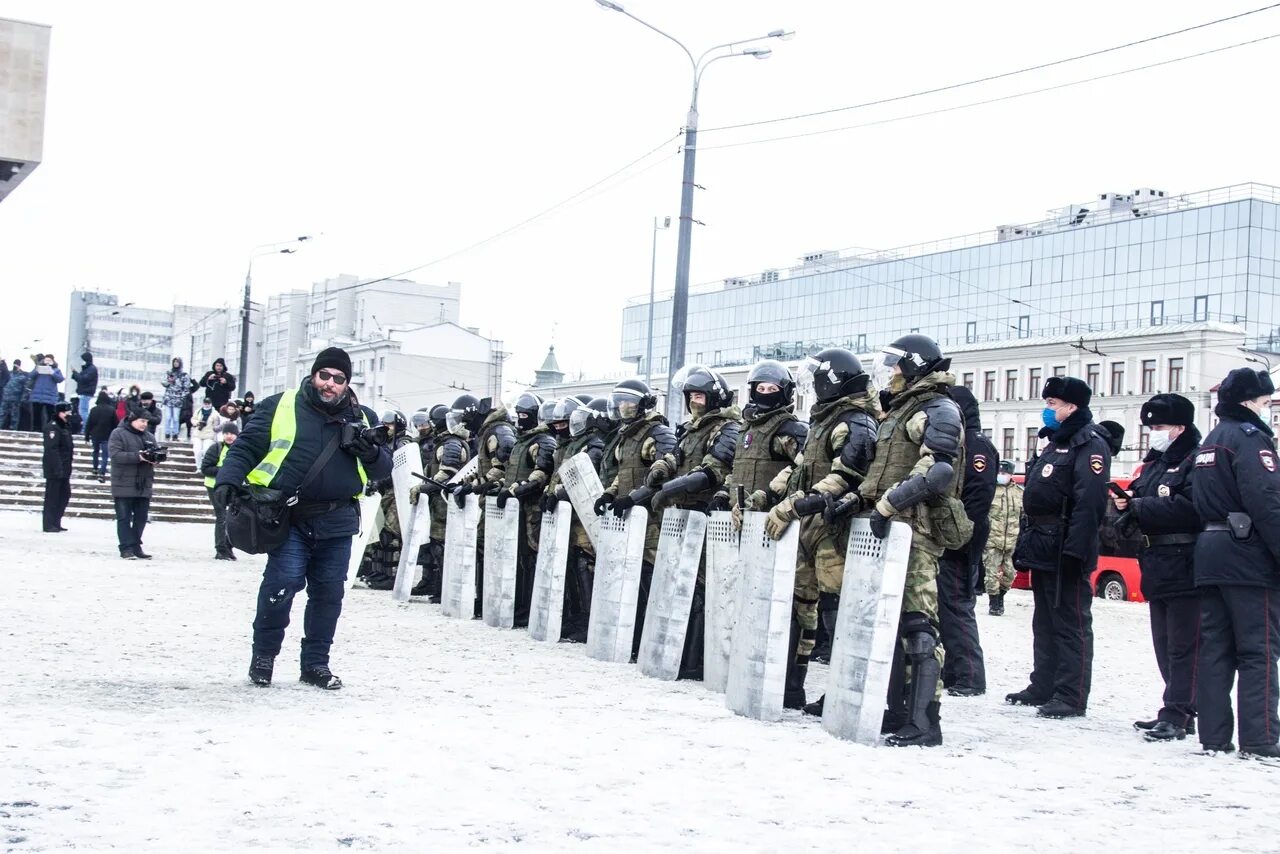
x=639 y=445
x=902 y=452
x=530 y=465
x=493 y=443
x=997 y=559
x=581 y=560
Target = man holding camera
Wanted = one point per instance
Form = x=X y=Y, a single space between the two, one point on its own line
x=134 y=454
x=319 y=422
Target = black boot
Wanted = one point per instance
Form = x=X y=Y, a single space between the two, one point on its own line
x=828 y=603
x=321 y=677
x=815 y=709
x=922 y=728
x=1165 y=731
x=260 y=669
x=694 y=638
x=912 y=735
x=997 y=605
x=642 y=607
x=584 y=569
x=797 y=669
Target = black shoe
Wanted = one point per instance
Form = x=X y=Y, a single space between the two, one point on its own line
x=127 y=554
x=141 y=555
x=380 y=582
x=892 y=722
x=60 y=528
x=996 y=608
x=421 y=588
x=1165 y=731
x=54 y=530
x=260 y=668
x=321 y=677
x=965 y=691
x=794 y=700
x=1058 y=709
x=1260 y=751
x=821 y=654
x=912 y=735
x=815 y=708
x=1024 y=698
x=1211 y=749
x=1143 y=726
x=102 y=478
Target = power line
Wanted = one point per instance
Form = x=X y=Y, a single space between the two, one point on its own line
x=993 y=100
x=992 y=77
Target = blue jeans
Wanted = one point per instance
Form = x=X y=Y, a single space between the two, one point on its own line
x=302 y=561
x=86 y=403
x=171 y=416
x=100 y=462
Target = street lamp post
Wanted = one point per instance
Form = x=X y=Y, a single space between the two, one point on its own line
x=680 y=298
x=653 y=267
x=258 y=252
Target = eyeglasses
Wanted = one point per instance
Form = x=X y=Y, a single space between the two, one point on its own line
x=331 y=377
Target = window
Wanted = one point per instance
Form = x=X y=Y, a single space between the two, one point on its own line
x=1148 y=376
x=862 y=342
x=1117 y=377
x=989 y=385
x=1144 y=441
x=971 y=332
x=1157 y=313
x=1175 y=374
x=1007 y=450
x=1034 y=384
x=1092 y=376
x=1059 y=370
x=1010 y=385
x=968 y=380
x=1033 y=437
x=1201 y=309
x=1024 y=326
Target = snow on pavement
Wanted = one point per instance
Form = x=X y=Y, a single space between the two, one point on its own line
x=127 y=722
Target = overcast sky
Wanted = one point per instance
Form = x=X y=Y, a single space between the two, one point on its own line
x=177 y=140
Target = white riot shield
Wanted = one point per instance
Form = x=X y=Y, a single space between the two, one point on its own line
x=758 y=657
x=458 y=578
x=723 y=588
x=418 y=535
x=546 y=608
x=675 y=574
x=501 y=543
x=406 y=464
x=875 y=572
x=583 y=486
x=370 y=525
x=617 y=585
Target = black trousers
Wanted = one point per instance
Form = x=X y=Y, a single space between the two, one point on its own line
x=131 y=519
x=1239 y=635
x=1062 y=637
x=1175 y=635
x=221 y=542
x=41 y=414
x=958 y=625
x=57 y=492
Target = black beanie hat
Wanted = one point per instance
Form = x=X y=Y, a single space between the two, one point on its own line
x=1115 y=433
x=1069 y=389
x=231 y=427
x=1245 y=384
x=1169 y=409
x=334 y=358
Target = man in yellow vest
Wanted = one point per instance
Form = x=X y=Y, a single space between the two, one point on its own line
x=279 y=448
x=214 y=456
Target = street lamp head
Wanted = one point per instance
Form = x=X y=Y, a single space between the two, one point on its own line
x=608 y=4
x=758 y=52
x=304 y=238
x=784 y=35
x=287 y=251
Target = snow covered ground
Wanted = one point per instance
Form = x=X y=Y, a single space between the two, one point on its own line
x=126 y=722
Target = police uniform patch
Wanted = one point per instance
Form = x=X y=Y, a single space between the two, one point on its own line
x=53 y=434
x=1096 y=464
x=1268 y=460
x=979 y=462
x=746 y=439
x=1163 y=491
x=1047 y=471
x=1204 y=459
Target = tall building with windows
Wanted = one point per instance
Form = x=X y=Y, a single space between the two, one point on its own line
x=283 y=335
x=1124 y=261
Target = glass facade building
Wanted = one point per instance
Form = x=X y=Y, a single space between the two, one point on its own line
x=1124 y=261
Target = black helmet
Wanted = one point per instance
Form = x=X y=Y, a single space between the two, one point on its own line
x=526 y=408
x=437 y=415
x=546 y=411
x=395 y=419
x=770 y=371
x=834 y=373
x=693 y=378
x=630 y=400
x=563 y=409
x=469 y=412
x=420 y=420
x=583 y=398
x=918 y=355
x=595 y=415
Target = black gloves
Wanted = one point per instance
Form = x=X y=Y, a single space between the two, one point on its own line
x=622 y=504
x=501 y=499
x=223 y=495
x=525 y=489
x=460 y=494
x=880 y=525
x=719 y=503
x=602 y=503
x=362 y=449
x=814 y=502
x=851 y=503
x=641 y=496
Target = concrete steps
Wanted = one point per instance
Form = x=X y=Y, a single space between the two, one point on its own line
x=179 y=494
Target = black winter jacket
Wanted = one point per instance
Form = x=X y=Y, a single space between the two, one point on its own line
x=218 y=391
x=1236 y=472
x=130 y=476
x=338 y=481
x=1162 y=506
x=102 y=420
x=1068 y=479
x=59 y=447
x=981 y=465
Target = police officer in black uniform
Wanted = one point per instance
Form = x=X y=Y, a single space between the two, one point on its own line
x=1162 y=512
x=1064 y=502
x=1237 y=568
x=964 y=673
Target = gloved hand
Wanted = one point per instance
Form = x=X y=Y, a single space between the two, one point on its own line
x=837 y=510
x=223 y=495
x=525 y=488
x=814 y=502
x=543 y=502
x=362 y=449
x=719 y=503
x=501 y=499
x=371 y=488
x=880 y=524
x=622 y=504
x=460 y=494
x=781 y=516
x=414 y=492
x=602 y=503
x=735 y=515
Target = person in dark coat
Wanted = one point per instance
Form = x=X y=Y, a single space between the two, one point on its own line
x=59 y=448
x=146 y=407
x=219 y=383
x=1236 y=492
x=133 y=476
x=247 y=407
x=1161 y=510
x=97 y=430
x=4 y=375
x=44 y=390
x=11 y=400
x=86 y=380
x=960 y=573
x=1063 y=503
x=210 y=465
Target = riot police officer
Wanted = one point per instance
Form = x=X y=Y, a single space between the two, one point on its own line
x=384 y=554
x=1162 y=510
x=916 y=477
x=1063 y=503
x=525 y=477
x=494 y=439
x=450 y=450
x=1237 y=568
x=838 y=452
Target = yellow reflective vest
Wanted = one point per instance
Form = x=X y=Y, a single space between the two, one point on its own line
x=284 y=430
x=210 y=482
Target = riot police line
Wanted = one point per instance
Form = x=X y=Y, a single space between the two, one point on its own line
x=713 y=551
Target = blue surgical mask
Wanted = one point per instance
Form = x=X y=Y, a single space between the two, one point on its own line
x=1050 y=418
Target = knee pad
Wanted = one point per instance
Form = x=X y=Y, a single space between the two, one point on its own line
x=919 y=638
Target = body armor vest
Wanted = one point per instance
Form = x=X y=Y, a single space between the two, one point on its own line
x=631 y=467
x=524 y=455
x=818 y=453
x=896 y=454
x=690 y=450
x=756 y=463
x=485 y=461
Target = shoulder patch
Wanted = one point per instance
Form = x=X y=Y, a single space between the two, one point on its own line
x=747 y=438
x=1095 y=463
x=1248 y=429
x=1204 y=459
x=979 y=462
x=1163 y=490
x=1268 y=460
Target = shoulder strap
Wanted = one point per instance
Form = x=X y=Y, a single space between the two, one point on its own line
x=324 y=457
